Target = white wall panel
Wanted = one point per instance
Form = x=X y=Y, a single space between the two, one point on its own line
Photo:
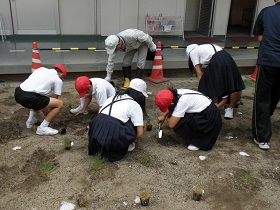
x=222 y=9
x=77 y=17
x=5 y=13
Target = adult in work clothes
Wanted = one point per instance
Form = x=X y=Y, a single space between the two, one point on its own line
x=32 y=94
x=221 y=76
x=96 y=88
x=130 y=41
x=119 y=123
x=192 y=115
x=267 y=89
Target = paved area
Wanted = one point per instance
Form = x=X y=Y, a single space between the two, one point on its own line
x=16 y=53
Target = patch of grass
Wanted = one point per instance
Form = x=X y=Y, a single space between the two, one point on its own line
x=82 y=201
x=145 y=158
x=6 y=86
x=242 y=127
x=70 y=105
x=276 y=124
x=2 y=124
x=97 y=162
x=46 y=167
x=250 y=180
x=67 y=142
x=249 y=83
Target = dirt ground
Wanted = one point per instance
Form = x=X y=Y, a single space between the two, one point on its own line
x=230 y=180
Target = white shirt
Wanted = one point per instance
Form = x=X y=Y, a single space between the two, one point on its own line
x=102 y=90
x=190 y=103
x=125 y=110
x=43 y=81
x=203 y=53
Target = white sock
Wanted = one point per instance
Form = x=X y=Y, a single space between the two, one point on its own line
x=82 y=101
x=45 y=123
x=31 y=116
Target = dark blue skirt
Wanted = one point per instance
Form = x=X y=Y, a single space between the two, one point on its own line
x=200 y=129
x=110 y=137
x=221 y=77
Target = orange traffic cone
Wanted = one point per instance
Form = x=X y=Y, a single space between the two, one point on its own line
x=254 y=75
x=36 y=61
x=157 y=70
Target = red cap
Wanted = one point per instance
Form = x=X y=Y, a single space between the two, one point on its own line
x=82 y=84
x=163 y=99
x=61 y=68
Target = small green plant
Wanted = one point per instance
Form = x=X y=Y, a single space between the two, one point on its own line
x=145 y=158
x=249 y=83
x=250 y=180
x=70 y=105
x=276 y=124
x=2 y=124
x=82 y=201
x=197 y=192
x=46 y=167
x=67 y=143
x=97 y=162
x=241 y=127
x=145 y=198
x=6 y=86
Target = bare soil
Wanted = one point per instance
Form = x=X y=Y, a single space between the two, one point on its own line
x=230 y=180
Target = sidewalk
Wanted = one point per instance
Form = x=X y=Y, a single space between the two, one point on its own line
x=16 y=51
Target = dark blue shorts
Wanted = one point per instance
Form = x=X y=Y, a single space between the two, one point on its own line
x=31 y=100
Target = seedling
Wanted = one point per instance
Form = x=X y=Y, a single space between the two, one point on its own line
x=197 y=192
x=242 y=127
x=149 y=125
x=82 y=201
x=6 y=86
x=249 y=179
x=46 y=167
x=145 y=158
x=67 y=143
x=97 y=162
x=145 y=198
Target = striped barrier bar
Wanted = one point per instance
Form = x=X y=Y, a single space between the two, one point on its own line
x=72 y=49
x=163 y=47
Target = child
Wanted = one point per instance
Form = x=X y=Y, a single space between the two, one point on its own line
x=192 y=115
x=119 y=123
x=32 y=94
x=87 y=88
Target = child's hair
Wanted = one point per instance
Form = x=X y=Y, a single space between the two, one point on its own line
x=174 y=102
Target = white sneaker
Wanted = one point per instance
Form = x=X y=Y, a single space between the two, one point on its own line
x=262 y=145
x=29 y=124
x=192 y=147
x=76 y=110
x=46 y=131
x=228 y=113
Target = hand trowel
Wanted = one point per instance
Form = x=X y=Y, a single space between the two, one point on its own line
x=159 y=132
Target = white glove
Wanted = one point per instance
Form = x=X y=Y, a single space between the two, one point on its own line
x=153 y=48
x=108 y=77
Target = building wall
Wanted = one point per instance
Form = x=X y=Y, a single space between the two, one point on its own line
x=5 y=13
x=106 y=17
x=76 y=17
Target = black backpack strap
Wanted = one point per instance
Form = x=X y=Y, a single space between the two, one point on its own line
x=194 y=94
x=214 y=48
x=113 y=101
